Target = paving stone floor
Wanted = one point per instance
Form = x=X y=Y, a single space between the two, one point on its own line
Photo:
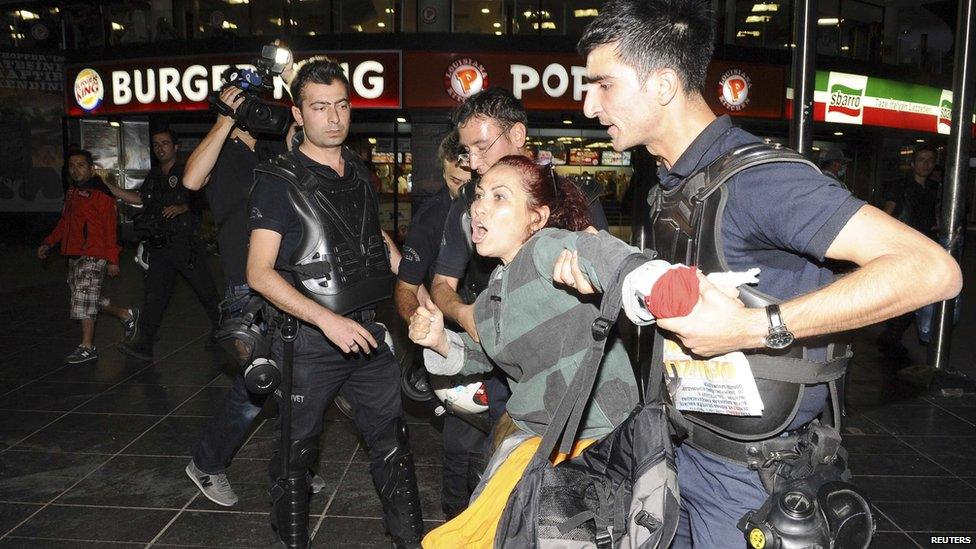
x=93 y=455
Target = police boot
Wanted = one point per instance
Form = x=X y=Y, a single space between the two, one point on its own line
x=396 y=482
x=290 y=493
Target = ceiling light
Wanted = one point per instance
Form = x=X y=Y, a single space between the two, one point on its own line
x=816 y=149
x=828 y=21
x=765 y=7
x=567 y=121
x=920 y=141
x=498 y=33
x=485 y=10
x=838 y=134
x=758 y=19
x=359 y=28
x=742 y=34
x=117 y=26
x=310 y=33
x=372 y=140
x=592 y=12
x=228 y=25
x=497 y=25
x=275 y=21
x=401 y=120
x=845 y=48
x=114 y=124
x=389 y=10
x=233 y=2
x=28 y=15
x=380 y=24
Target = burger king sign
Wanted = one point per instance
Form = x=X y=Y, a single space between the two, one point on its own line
x=89 y=90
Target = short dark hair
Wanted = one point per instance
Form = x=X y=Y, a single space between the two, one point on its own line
x=450 y=147
x=82 y=152
x=320 y=70
x=172 y=134
x=495 y=103
x=655 y=34
x=921 y=148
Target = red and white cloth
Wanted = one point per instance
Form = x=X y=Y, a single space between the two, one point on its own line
x=659 y=289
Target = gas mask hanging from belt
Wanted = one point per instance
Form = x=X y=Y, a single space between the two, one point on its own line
x=247 y=338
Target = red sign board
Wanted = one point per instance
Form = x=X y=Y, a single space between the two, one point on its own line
x=745 y=89
x=183 y=83
x=543 y=81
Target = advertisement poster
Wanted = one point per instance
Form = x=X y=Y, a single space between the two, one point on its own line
x=31 y=107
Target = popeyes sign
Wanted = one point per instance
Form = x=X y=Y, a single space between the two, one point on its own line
x=543 y=81
x=184 y=83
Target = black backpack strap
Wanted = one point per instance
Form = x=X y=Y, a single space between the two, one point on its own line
x=568 y=415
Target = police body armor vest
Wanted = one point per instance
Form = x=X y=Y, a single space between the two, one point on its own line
x=341 y=261
x=687 y=228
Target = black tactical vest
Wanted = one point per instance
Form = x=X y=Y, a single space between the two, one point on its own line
x=341 y=261
x=687 y=228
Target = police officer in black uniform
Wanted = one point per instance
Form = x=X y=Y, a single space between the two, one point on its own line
x=317 y=253
x=168 y=224
x=464 y=459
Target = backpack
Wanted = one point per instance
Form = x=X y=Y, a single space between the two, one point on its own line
x=623 y=490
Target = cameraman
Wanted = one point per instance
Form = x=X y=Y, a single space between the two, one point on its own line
x=168 y=226
x=223 y=165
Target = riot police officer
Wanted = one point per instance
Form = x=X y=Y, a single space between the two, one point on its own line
x=168 y=225
x=314 y=218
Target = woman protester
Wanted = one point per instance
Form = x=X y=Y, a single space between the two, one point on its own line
x=534 y=327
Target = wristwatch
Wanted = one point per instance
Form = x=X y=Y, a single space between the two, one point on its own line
x=780 y=337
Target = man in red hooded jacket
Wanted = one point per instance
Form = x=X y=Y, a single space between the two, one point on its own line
x=87 y=233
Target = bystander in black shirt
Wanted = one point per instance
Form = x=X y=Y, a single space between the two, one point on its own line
x=227 y=193
x=915 y=205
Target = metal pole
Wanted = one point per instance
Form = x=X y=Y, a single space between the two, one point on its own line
x=804 y=75
x=396 y=181
x=957 y=169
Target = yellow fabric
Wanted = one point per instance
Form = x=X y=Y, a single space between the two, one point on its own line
x=475 y=527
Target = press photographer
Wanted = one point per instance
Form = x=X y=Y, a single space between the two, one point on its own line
x=247 y=131
x=168 y=228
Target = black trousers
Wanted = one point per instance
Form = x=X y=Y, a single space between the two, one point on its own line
x=184 y=258
x=464 y=462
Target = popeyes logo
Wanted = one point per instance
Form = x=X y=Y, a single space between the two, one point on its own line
x=464 y=78
x=734 y=89
x=89 y=90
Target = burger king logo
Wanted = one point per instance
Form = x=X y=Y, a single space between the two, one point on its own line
x=464 y=78
x=734 y=89
x=89 y=90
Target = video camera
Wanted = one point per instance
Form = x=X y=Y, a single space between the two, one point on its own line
x=254 y=114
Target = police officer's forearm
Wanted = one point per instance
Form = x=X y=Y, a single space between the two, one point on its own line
x=202 y=159
x=129 y=197
x=405 y=297
x=273 y=287
x=444 y=294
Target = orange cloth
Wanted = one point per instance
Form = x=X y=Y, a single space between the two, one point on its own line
x=475 y=527
x=674 y=294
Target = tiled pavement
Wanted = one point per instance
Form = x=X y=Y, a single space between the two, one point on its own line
x=93 y=455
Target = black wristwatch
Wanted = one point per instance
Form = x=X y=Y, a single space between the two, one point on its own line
x=780 y=337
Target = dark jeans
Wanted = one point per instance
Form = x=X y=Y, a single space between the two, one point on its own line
x=227 y=430
x=182 y=258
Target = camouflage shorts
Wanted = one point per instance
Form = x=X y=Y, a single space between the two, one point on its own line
x=85 y=277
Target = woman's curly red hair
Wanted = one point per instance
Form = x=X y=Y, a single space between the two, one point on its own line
x=567 y=209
